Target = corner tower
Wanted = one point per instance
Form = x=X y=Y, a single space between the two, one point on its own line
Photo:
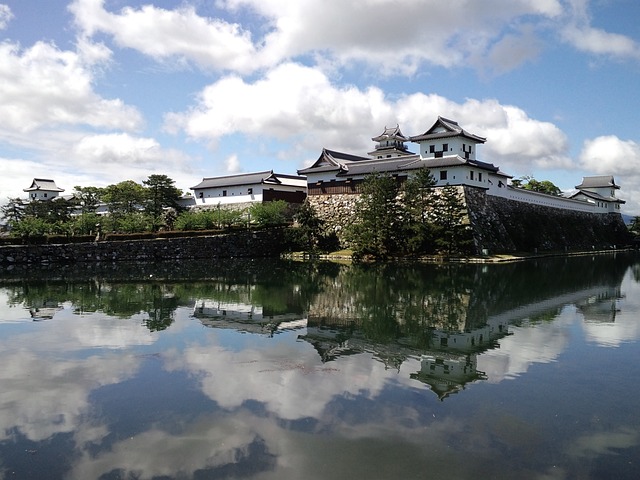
x=446 y=138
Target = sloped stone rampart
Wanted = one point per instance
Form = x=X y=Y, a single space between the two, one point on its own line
x=502 y=226
x=261 y=243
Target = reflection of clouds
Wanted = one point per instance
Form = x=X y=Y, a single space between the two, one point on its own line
x=10 y=312
x=626 y=327
x=604 y=443
x=207 y=443
x=109 y=332
x=43 y=391
x=41 y=397
x=289 y=379
x=539 y=343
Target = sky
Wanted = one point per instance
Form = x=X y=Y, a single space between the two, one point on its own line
x=95 y=92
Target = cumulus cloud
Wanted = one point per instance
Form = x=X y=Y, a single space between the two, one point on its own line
x=297 y=102
x=170 y=34
x=394 y=36
x=610 y=154
x=45 y=87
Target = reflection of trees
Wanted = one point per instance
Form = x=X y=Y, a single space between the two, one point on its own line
x=278 y=287
x=405 y=302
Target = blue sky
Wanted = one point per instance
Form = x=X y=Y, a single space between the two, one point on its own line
x=94 y=92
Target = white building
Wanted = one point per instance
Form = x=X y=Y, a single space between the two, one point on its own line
x=449 y=152
x=43 y=189
x=249 y=188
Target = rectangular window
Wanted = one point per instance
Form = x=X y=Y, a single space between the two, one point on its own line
x=479 y=176
x=471 y=174
x=224 y=193
x=432 y=149
x=443 y=174
x=445 y=147
x=250 y=191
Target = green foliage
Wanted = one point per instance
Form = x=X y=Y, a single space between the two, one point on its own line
x=310 y=226
x=124 y=197
x=448 y=215
x=30 y=227
x=88 y=198
x=13 y=211
x=161 y=194
x=541 y=186
x=634 y=227
x=378 y=211
x=418 y=196
x=270 y=213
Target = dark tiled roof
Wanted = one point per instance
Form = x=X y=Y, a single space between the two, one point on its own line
x=597 y=182
x=596 y=196
x=391 y=133
x=245 y=179
x=451 y=129
x=44 y=184
x=331 y=160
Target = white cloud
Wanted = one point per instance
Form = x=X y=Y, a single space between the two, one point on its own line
x=294 y=102
x=170 y=34
x=600 y=42
x=391 y=35
x=609 y=154
x=232 y=164
x=6 y=15
x=579 y=33
x=45 y=87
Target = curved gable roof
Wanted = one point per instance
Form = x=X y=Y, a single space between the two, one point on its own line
x=445 y=128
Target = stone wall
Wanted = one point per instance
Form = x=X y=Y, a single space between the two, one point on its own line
x=500 y=225
x=261 y=243
x=336 y=210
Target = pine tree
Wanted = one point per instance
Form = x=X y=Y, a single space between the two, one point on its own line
x=376 y=233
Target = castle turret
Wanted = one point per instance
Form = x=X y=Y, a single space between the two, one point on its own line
x=445 y=138
x=391 y=144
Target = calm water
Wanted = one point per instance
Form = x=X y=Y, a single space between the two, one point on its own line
x=277 y=370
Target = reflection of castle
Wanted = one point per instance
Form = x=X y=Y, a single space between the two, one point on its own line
x=244 y=317
x=45 y=311
x=600 y=307
x=448 y=373
x=447 y=363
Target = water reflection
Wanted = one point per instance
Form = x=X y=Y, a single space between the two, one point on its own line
x=290 y=370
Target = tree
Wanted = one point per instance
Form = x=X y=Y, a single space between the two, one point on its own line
x=88 y=198
x=418 y=196
x=13 y=211
x=124 y=197
x=376 y=233
x=161 y=194
x=310 y=225
x=634 y=227
x=449 y=213
x=544 y=186
x=269 y=213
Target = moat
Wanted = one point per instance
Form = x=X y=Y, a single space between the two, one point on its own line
x=273 y=369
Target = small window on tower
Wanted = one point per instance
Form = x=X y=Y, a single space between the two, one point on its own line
x=224 y=193
x=443 y=174
x=250 y=191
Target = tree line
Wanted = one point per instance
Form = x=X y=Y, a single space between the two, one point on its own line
x=130 y=207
